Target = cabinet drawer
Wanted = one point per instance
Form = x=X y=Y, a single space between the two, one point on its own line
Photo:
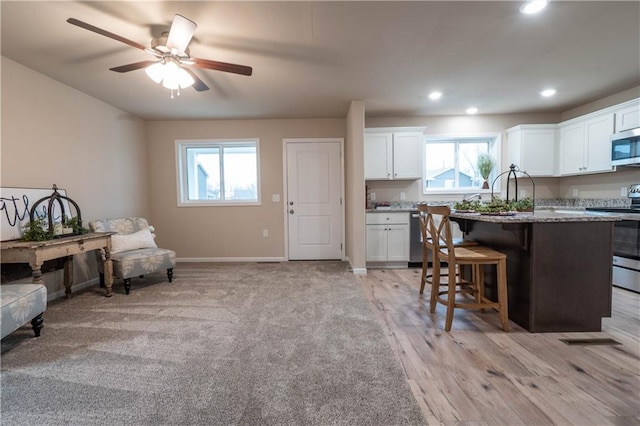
x=383 y=218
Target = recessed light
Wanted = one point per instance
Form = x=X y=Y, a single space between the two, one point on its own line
x=548 y=92
x=472 y=110
x=434 y=96
x=533 y=7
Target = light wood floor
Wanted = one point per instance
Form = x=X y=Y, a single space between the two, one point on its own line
x=478 y=374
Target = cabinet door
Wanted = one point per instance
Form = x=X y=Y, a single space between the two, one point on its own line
x=377 y=156
x=628 y=117
x=572 y=148
x=398 y=243
x=537 y=152
x=598 y=133
x=376 y=243
x=407 y=155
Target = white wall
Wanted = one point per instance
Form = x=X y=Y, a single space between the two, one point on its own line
x=355 y=196
x=52 y=133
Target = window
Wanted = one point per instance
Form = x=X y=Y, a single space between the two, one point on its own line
x=218 y=172
x=451 y=162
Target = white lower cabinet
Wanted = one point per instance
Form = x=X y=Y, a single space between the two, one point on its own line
x=387 y=237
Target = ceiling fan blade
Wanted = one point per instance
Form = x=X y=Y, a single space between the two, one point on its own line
x=105 y=33
x=180 y=34
x=198 y=84
x=222 y=66
x=133 y=67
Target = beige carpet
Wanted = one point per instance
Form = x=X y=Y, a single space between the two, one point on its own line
x=257 y=344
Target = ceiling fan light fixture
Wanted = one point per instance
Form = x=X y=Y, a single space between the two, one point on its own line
x=155 y=72
x=171 y=78
x=184 y=79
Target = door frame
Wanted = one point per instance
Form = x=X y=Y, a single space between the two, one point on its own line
x=285 y=186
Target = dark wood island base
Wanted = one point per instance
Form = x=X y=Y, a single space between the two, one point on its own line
x=559 y=267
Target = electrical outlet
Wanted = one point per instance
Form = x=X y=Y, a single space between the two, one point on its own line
x=623 y=191
x=275 y=198
x=265 y=233
x=576 y=193
x=372 y=196
x=523 y=193
x=403 y=196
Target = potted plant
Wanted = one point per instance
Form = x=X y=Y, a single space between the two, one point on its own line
x=486 y=163
x=35 y=231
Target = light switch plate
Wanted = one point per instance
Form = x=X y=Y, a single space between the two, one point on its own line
x=275 y=198
x=623 y=191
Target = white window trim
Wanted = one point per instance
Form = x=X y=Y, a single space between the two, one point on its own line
x=181 y=145
x=495 y=149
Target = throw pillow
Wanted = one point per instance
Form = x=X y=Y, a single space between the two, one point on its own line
x=137 y=240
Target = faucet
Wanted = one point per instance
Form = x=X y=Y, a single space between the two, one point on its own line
x=470 y=197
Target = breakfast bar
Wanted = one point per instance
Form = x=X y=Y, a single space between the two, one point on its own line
x=558 y=265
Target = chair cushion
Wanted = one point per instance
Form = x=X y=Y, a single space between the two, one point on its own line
x=20 y=304
x=137 y=240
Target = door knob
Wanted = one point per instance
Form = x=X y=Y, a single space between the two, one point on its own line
x=291 y=211
x=290 y=203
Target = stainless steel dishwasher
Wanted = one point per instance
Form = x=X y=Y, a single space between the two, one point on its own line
x=415 y=239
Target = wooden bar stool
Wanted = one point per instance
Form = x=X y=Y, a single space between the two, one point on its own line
x=476 y=256
x=425 y=220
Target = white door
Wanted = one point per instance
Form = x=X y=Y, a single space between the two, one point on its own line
x=314 y=193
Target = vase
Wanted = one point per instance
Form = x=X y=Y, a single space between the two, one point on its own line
x=485 y=185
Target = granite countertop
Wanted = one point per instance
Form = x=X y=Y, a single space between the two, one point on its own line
x=395 y=209
x=543 y=215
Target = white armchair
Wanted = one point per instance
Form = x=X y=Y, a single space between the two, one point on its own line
x=134 y=252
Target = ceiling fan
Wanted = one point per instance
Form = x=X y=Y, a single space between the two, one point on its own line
x=172 y=59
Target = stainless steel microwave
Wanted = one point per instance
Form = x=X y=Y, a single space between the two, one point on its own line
x=625 y=148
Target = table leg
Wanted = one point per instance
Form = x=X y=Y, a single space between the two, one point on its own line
x=68 y=275
x=107 y=267
x=36 y=273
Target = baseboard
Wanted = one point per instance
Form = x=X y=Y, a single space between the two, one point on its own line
x=231 y=259
x=75 y=287
x=356 y=271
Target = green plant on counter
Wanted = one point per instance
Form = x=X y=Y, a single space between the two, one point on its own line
x=35 y=231
x=74 y=224
x=523 y=205
x=496 y=205
x=465 y=205
x=486 y=163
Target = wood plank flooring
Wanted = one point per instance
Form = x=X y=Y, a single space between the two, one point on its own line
x=478 y=374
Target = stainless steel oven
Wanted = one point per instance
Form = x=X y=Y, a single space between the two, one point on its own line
x=626 y=243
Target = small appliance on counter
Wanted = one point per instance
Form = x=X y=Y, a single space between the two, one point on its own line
x=626 y=242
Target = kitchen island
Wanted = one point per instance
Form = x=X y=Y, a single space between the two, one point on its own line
x=559 y=265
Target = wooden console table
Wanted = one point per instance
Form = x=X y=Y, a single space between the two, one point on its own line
x=35 y=253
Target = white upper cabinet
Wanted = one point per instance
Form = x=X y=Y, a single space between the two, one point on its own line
x=532 y=147
x=393 y=155
x=585 y=145
x=378 y=156
x=628 y=116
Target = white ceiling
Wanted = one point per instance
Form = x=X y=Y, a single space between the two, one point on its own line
x=310 y=59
